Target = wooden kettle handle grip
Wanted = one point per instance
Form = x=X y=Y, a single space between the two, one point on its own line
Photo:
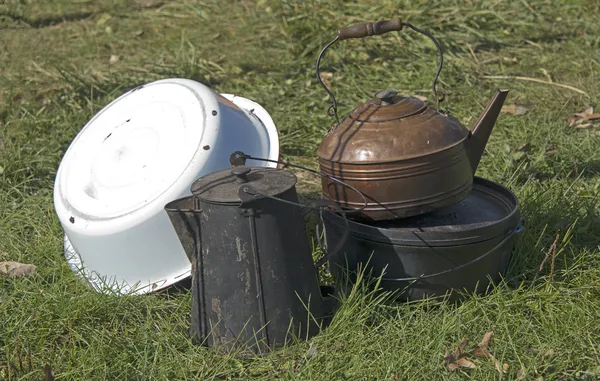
x=370 y=29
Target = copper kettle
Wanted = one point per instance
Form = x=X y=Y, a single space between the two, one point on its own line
x=406 y=157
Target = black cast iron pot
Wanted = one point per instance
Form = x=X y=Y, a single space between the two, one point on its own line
x=466 y=246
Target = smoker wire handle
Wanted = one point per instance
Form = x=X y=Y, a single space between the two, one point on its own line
x=509 y=235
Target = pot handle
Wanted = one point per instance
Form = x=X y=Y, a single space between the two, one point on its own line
x=509 y=235
x=376 y=29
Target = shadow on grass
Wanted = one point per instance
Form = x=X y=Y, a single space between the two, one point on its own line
x=563 y=225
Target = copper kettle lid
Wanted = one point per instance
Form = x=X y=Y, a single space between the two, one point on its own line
x=375 y=133
x=386 y=106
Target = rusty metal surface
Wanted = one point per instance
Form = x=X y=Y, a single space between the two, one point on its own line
x=253 y=278
x=223 y=186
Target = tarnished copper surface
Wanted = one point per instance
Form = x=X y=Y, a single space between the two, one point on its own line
x=401 y=188
x=406 y=158
x=401 y=131
x=481 y=130
x=386 y=109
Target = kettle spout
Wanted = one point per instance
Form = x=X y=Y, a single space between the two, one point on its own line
x=186 y=222
x=480 y=133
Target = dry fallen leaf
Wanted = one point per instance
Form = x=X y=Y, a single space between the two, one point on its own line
x=311 y=352
x=148 y=3
x=458 y=359
x=579 y=119
x=326 y=77
x=453 y=363
x=583 y=126
x=463 y=362
x=482 y=348
x=515 y=109
x=421 y=98
x=482 y=351
x=48 y=373
x=16 y=269
x=549 y=353
x=499 y=368
x=103 y=19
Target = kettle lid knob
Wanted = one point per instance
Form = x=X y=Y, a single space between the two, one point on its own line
x=386 y=96
x=241 y=173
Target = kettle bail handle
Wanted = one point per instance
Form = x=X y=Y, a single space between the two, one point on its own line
x=375 y=29
x=370 y=29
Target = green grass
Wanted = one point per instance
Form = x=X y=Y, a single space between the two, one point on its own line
x=55 y=75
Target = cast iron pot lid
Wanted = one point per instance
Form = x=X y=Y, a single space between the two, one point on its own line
x=489 y=211
x=223 y=187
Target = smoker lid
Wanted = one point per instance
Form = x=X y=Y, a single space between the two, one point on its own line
x=484 y=206
x=489 y=211
x=224 y=186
